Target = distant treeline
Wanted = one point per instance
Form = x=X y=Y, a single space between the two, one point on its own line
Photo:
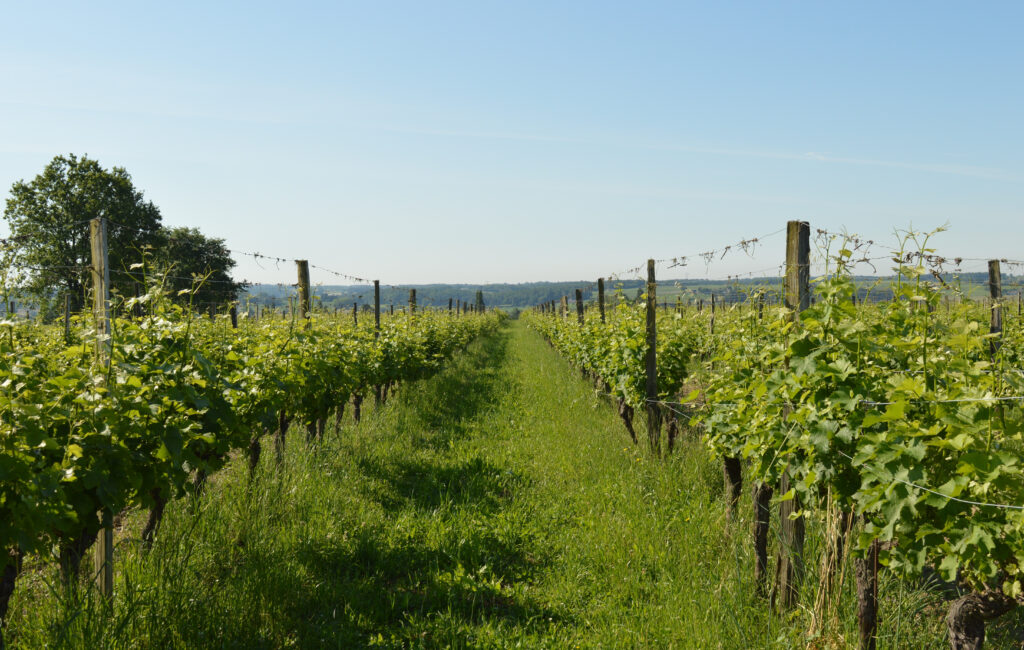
x=528 y=294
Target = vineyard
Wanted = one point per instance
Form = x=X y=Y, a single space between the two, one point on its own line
x=881 y=439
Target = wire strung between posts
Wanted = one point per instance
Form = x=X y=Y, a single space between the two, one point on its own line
x=200 y=279
x=277 y=260
x=863 y=402
x=254 y=255
x=746 y=245
x=342 y=275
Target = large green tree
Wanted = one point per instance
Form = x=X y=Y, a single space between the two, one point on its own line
x=193 y=260
x=48 y=219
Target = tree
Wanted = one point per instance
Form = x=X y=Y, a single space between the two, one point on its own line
x=48 y=218
x=189 y=257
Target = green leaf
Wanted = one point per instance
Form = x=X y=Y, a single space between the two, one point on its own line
x=948 y=567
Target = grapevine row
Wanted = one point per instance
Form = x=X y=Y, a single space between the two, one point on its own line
x=82 y=441
x=901 y=420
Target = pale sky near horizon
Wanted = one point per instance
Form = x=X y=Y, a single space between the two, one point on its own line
x=476 y=142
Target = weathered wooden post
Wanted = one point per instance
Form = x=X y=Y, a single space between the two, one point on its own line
x=579 y=306
x=651 y=364
x=67 y=317
x=412 y=301
x=712 y=323
x=565 y=306
x=995 y=289
x=137 y=307
x=376 y=308
x=233 y=313
x=790 y=562
x=302 y=266
x=600 y=297
x=104 y=555
x=355 y=314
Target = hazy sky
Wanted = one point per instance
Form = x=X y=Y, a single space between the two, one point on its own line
x=517 y=141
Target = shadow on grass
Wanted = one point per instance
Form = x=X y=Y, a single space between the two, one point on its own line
x=401 y=589
x=377 y=587
x=438 y=411
x=426 y=485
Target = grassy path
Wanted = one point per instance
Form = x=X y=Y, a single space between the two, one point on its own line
x=497 y=504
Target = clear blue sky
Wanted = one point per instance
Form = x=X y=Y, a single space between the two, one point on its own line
x=519 y=141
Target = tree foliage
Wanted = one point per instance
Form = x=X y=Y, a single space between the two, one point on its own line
x=48 y=254
x=192 y=259
x=48 y=218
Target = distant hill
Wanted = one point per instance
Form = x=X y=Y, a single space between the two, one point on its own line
x=528 y=294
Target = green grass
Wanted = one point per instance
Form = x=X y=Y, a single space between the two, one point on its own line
x=497 y=504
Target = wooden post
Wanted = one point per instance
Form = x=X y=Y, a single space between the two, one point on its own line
x=579 y=306
x=355 y=314
x=137 y=307
x=600 y=296
x=303 y=270
x=376 y=308
x=790 y=561
x=651 y=364
x=67 y=317
x=995 y=289
x=412 y=301
x=233 y=312
x=391 y=309
x=449 y=306
x=712 y=314
x=866 y=574
x=104 y=555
